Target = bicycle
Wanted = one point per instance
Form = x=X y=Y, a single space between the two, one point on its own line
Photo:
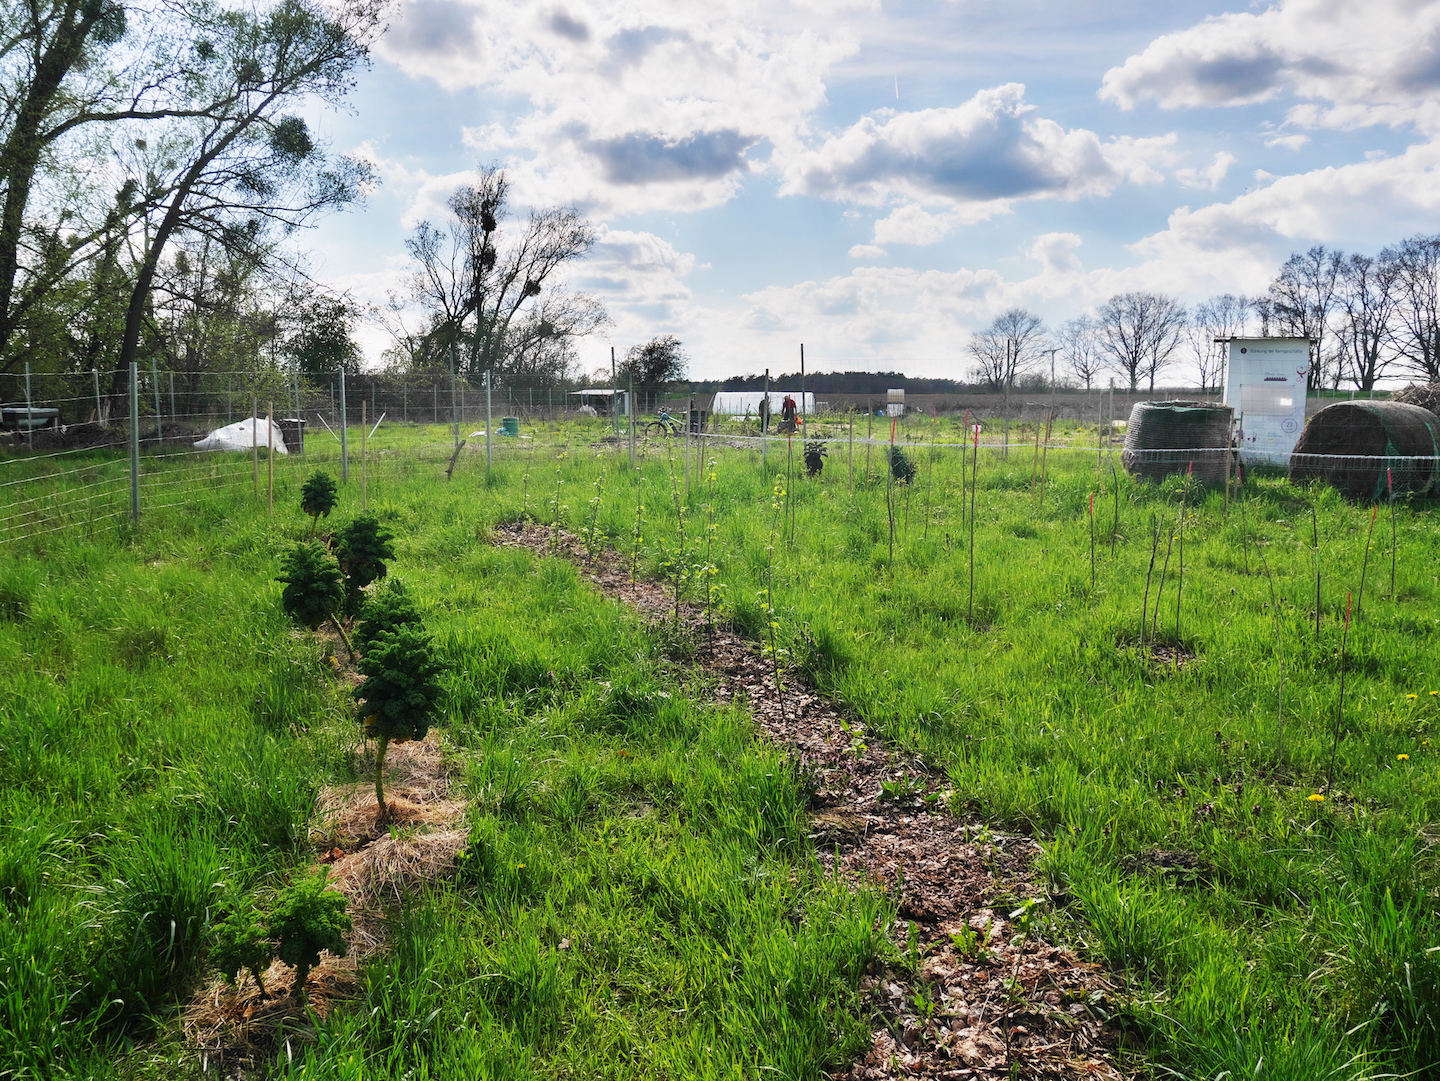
x=666 y=425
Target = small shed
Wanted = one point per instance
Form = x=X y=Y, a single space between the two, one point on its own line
x=606 y=401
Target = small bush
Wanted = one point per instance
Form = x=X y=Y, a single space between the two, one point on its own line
x=308 y=918
x=362 y=548
x=389 y=608
x=901 y=467
x=318 y=498
x=314 y=585
x=815 y=455
x=242 y=942
x=400 y=695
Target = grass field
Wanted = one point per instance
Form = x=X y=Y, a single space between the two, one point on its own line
x=166 y=732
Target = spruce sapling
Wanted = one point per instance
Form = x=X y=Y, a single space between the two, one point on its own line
x=318 y=498
x=314 y=588
x=362 y=547
x=815 y=455
x=400 y=695
x=242 y=942
x=388 y=608
x=308 y=918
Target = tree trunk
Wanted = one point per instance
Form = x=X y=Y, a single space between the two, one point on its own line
x=382 y=745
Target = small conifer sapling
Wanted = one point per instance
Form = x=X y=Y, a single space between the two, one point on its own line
x=815 y=455
x=362 y=547
x=400 y=696
x=388 y=608
x=314 y=588
x=318 y=498
x=308 y=918
x=242 y=943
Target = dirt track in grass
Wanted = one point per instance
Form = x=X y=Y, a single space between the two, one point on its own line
x=982 y=995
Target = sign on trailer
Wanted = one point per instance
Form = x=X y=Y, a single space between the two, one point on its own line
x=1265 y=381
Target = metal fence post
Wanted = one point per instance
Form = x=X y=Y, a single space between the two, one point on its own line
x=488 y=424
x=95 y=376
x=134 y=441
x=155 y=383
x=29 y=411
x=344 y=434
x=454 y=408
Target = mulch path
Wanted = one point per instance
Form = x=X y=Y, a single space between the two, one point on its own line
x=983 y=995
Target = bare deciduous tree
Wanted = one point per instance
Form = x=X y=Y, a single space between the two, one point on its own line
x=1365 y=310
x=1080 y=346
x=479 y=290
x=1417 y=306
x=1222 y=316
x=1007 y=348
x=1139 y=333
x=1303 y=298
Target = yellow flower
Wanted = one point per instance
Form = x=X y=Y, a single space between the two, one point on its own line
x=1412 y=696
x=1435 y=694
x=519 y=867
x=1316 y=798
x=1402 y=758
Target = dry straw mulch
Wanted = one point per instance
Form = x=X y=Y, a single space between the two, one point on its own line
x=985 y=1001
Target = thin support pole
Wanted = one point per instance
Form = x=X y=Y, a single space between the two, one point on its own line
x=155 y=384
x=134 y=441
x=269 y=458
x=299 y=417
x=454 y=397
x=95 y=376
x=173 y=414
x=488 y=425
x=764 y=426
x=614 y=390
x=852 y=451
x=254 y=447
x=344 y=433
x=364 y=457
x=29 y=411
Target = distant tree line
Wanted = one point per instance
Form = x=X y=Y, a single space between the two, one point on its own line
x=1370 y=317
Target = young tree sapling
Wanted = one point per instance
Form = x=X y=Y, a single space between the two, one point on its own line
x=308 y=918
x=314 y=588
x=318 y=498
x=362 y=547
x=242 y=942
x=388 y=608
x=400 y=695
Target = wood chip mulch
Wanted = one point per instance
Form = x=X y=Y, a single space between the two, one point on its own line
x=981 y=993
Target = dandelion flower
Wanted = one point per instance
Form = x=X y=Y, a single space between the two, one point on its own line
x=1412 y=696
x=519 y=867
x=1435 y=694
x=1316 y=798
x=1402 y=758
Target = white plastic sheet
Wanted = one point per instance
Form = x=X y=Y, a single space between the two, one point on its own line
x=243 y=435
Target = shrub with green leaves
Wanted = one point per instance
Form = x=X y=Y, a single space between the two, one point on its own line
x=815 y=455
x=308 y=918
x=242 y=942
x=362 y=547
x=388 y=608
x=901 y=467
x=318 y=497
x=314 y=585
x=401 y=693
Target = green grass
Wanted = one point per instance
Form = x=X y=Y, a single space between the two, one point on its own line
x=1299 y=950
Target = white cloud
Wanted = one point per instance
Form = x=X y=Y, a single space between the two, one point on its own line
x=911 y=224
x=976 y=158
x=1210 y=176
x=628 y=108
x=1376 y=62
x=1288 y=142
x=866 y=251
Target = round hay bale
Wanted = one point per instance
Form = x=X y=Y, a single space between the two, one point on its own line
x=1352 y=444
x=1425 y=395
x=1178 y=437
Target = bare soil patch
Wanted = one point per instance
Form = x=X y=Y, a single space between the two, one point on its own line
x=981 y=993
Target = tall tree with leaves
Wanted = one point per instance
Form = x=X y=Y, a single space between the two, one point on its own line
x=244 y=165
x=654 y=365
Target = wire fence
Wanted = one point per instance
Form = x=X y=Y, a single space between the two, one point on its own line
x=80 y=474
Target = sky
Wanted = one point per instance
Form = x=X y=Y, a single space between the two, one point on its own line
x=876 y=181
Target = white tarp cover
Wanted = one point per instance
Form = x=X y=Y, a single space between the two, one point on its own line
x=243 y=435
x=739 y=403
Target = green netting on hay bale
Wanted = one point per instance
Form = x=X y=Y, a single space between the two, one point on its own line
x=1352 y=444
x=1178 y=437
